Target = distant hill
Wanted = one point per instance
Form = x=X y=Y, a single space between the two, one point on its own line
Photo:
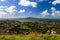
x=31 y=19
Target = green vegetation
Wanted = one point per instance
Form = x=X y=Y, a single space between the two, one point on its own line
x=30 y=37
x=16 y=27
x=15 y=30
x=24 y=27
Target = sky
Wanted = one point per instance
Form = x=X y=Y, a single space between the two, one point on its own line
x=29 y=8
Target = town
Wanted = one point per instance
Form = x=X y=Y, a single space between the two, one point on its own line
x=17 y=27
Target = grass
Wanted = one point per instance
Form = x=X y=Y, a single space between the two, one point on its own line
x=24 y=27
x=31 y=36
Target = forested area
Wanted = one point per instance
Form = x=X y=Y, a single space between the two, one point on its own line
x=16 y=27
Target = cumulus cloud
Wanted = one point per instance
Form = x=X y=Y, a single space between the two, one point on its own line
x=2 y=8
x=44 y=13
x=56 y=2
x=11 y=9
x=27 y=3
x=3 y=13
x=55 y=13
x=53 y=9
x=6 y=12
x=22 y=11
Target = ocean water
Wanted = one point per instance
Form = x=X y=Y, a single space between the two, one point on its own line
x=32 y=20
x=38 y=20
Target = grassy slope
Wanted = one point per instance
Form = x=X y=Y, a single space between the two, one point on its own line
x=33 y=36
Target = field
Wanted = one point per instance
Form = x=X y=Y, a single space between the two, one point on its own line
x=16 y=30
x=30 y=37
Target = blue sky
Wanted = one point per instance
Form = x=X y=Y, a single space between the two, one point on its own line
x=29 y=8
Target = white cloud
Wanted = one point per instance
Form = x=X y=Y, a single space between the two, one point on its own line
x=2 y=0
x=2 y=8
x=3 y=13
x=55 y=13
x=22 y=11
x=6 y=12
x=53 y=9
x=27 y=3
x=11 y=9
x=44 y=13
x=56 y=2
